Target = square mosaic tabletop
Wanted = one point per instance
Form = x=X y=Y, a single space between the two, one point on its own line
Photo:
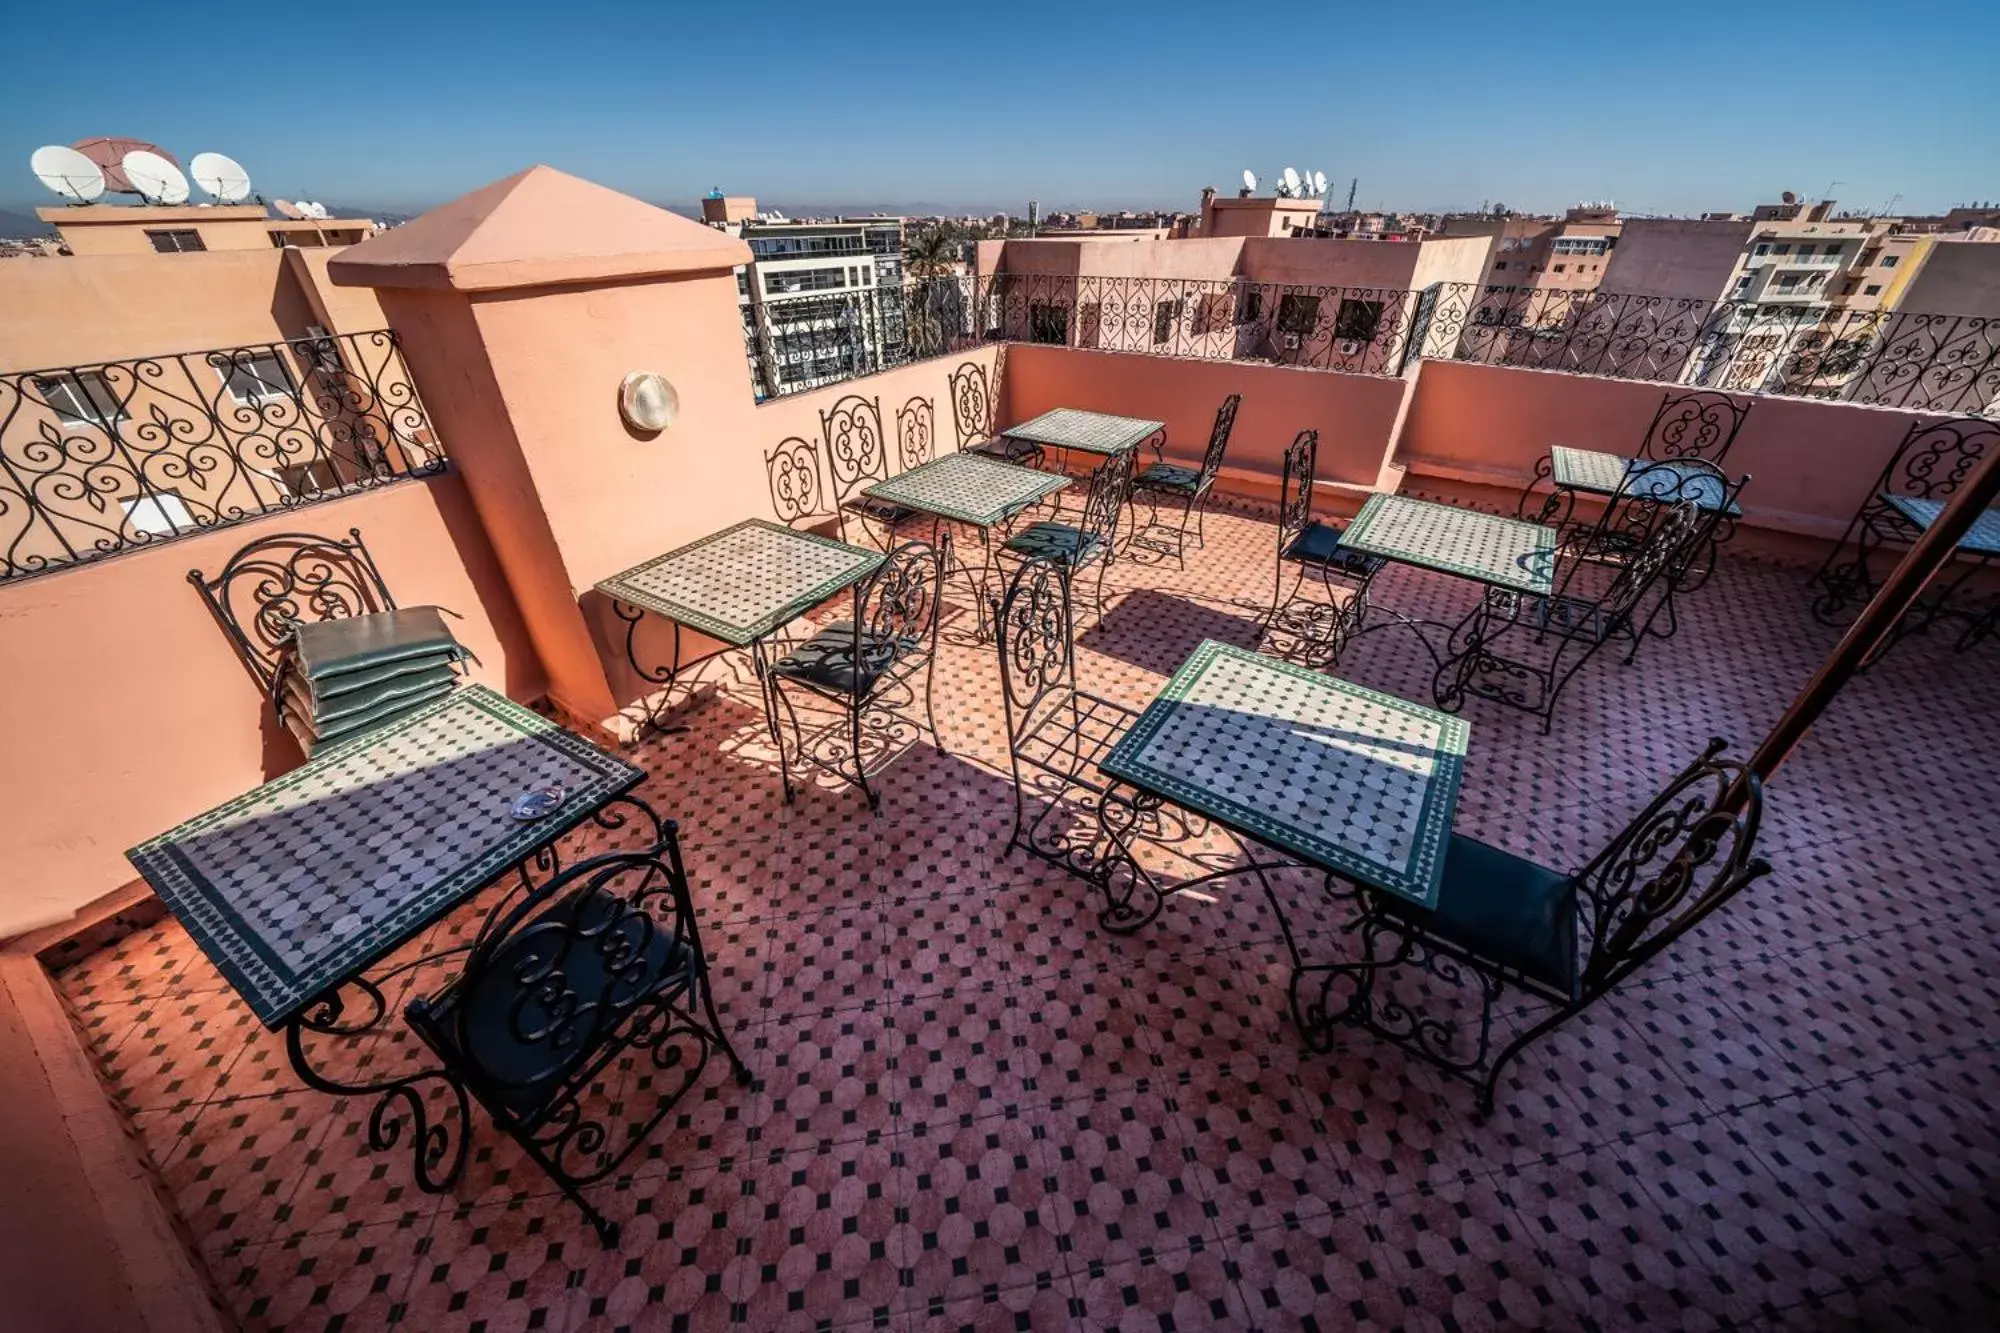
x=313 y=877
x=1606 y=474
x=1346 y=778
x=1086 y=432
x=1983 y=539
x=1504 y=552
x=739 y=584
x=967 y=488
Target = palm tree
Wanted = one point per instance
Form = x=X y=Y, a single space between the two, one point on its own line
x=936 y=308
x=930 y=253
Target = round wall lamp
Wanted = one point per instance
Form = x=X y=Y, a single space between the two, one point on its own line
x=648 y=402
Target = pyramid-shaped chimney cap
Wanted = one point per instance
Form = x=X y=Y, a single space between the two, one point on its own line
x=539 y=227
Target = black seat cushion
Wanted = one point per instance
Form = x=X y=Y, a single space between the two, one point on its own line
x=1503 y=908
x=882 y=511
x=518 y=1071
x=1058 y=541
x=1169 y=477
x=1005 y=448
x=1320 y=544
x=827 y=659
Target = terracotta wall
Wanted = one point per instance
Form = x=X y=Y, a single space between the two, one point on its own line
x=1811 y=463
x=1355 y=414
x=126 y=710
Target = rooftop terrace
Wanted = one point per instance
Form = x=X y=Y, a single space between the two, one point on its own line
x=974 y=1108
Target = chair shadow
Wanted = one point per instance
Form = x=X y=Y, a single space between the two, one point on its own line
x=1155 y=631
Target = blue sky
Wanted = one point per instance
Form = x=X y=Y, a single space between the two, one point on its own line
x=1669 y=109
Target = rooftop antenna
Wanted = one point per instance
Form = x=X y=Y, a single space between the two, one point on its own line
x=1352 y=186
x=155 y=179
x=67 y=172
x=220 y=177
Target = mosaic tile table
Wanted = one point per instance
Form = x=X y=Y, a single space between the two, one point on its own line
x=297 y=889
x=1073 y=430
x=738 y=585
x=1595 y=473
x=981 y=493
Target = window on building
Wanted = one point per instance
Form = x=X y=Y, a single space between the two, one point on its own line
x=81 y=398
x=1806 y=251
x=1499 y=267
x=1166 y=314
x=1872 y=289
x=1211 y=313
x=1358 y=320
x=1888 y=261
x=1781 y=249
x=1048 y=323
x=254 y=379
x=180 y=241
x=1561 y=267
x=159 y=515
x=1297 y=313
x=1250 y=308
x=1763 y=248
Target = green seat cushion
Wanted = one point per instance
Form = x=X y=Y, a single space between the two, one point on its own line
x=1058 y=541
x=335 y=685
x=1503 y=908
x=1169 y=477
x=828 y=659
x=1320 y=544
x=331 y=647
x=325 y=710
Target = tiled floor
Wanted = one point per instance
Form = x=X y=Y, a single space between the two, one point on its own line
x=975 y=1109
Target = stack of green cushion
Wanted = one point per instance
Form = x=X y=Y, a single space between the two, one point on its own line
x=345 y=677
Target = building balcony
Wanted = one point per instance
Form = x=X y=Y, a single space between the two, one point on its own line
x=966 y=1094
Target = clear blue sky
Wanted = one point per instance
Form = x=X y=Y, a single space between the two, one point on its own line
x=1664 y=108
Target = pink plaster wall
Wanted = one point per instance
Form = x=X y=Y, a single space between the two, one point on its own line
x=126 y=711
x=1354 y=414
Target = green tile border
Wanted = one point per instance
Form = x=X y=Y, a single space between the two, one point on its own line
x=1356 y=538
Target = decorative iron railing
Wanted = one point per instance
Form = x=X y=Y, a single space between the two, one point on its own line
x=1934 y=362
x=104 y=458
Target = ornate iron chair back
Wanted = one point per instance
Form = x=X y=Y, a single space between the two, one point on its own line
x=1034 y=632
x=856 y=453
x=896 y=609
x=916 y=432
x=1110 y=488
x=971 y=405
x=798 y=488
x=1218 y=438
x=1295 y=487
x=1666 y=542
x=1935 y=458
x=1687 y=853
x=1697 y=424
x=276 y=581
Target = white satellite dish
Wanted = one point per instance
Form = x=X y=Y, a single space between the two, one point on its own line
x=1319 y=182
x=1291 y=181
x=68 y=172
x=220 y=176
x=315 y=210
x=157 y=180
x=287 y=209
x=1249 y=179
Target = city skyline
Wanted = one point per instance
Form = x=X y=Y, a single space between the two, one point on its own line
x=936 y=115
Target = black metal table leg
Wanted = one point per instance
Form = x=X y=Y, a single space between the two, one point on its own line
x=666 y=677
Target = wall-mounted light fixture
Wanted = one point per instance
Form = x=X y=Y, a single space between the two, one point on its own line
x=648 y=402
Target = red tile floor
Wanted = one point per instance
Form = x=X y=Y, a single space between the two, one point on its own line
x=973 y=1108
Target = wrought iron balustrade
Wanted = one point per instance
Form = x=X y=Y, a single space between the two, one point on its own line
x=104 y=458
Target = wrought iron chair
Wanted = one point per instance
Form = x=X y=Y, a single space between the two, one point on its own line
x=1571 y=627
x=269 y=586
x=1093 y=539
x=798 y=484
x=857 y=455
x=867 y=666
x=1696 y=424
x=1932 y=462
x=1190 y=485
x=972 y=419
x=916 y=432
x=1056 y=733
x=1303 y=628
x=1567 y=940
x=595 y=970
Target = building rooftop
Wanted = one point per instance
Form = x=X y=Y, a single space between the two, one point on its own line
x=973 y=1105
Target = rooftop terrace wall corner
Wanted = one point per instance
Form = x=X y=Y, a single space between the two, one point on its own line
x=537 y=228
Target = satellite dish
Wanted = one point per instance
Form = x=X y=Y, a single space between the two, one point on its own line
x=287 y=209
x=1291 y=181
x=1249 y=180
x=68 y=172
x=108 y=152
x=155 y=179
x=220 y=176
x=313 y=210
x=1319 y=182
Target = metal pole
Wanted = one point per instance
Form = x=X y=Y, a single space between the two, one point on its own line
x=1931 y=553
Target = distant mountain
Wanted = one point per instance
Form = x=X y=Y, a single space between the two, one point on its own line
x=23 y=224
